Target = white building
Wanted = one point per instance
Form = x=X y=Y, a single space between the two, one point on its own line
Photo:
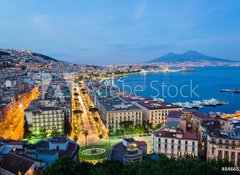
x=8 y=84
x=174 y=142
x=156 y=112
x=114 y=111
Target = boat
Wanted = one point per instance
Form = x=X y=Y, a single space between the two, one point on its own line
x=200 y=104
x=184 y=69
x=226 y=90
x=187 y=105
x=120 y=79
x=209 y=104
x=213 y=102
x=236 y=91
x=196 y=106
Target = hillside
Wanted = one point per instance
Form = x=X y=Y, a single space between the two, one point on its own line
x=44 y=57
x=190 y=56
x=3 y=53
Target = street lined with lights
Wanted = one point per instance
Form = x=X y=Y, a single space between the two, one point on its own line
x=12 y=124
x=86 y=122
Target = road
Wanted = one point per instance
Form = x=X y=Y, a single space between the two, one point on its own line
x=85 y=122
x=12 y=124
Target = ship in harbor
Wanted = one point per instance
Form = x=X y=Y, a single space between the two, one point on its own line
x=235 y=91
x=200 y=104
x=187 y=69
x=120 y=79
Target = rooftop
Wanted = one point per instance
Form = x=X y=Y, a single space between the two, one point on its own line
x=170 y=134
x=175 y=114
x=214 y=129
x=178 y=114
x=134 y=98
x=154 y=104
x=15 y=163
x=171 y=130
x=43 y=144
x=115 y=104
x=119 y=150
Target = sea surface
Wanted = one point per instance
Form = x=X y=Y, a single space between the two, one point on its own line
x=203 y=84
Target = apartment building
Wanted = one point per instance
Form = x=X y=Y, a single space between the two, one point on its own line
x=113 y=111
x=172 y=141
x=46 y=118
x=156 y=112
x=219 y=143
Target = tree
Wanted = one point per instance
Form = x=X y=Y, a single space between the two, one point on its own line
x=83 y=91
x=147 y=125
x=85 y=134
x=157 y=126
x=162 y=166
x=96 y=119
x=67 y=125
x=42 y=133
x=93 y=109
x=127 y=125
x=100 y=136
x=67 y=166
x=75 y=138
x=76 y=94
x=77 y=111
x=26 y=128
x=55 y=132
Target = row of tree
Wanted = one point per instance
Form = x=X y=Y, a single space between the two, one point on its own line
x=163 y=166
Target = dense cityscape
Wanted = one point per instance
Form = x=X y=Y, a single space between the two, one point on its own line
x=120 y=87
x=51 y=110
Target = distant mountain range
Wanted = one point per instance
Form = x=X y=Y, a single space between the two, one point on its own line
x=189 y=56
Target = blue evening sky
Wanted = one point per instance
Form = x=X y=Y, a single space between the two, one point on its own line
x=121 y=31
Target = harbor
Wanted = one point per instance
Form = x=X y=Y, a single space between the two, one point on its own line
x=197 y=104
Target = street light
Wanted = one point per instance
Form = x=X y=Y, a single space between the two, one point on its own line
x=21 y=106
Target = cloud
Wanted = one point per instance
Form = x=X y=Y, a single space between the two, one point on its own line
x=140 y=10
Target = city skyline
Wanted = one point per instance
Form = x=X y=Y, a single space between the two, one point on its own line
x=120 y=87
x=105 y=32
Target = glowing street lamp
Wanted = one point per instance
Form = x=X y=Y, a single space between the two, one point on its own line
x=21 y=106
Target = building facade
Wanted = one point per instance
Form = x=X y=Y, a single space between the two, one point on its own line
x=46 y=118
x=114 y=111
x=172 y=141
x=220 y=144
x=156 y=112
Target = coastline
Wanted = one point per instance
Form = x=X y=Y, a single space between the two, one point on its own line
x=203 y=77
